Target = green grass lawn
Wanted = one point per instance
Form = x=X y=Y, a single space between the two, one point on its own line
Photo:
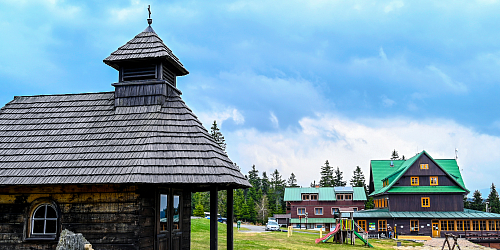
x=200 y=239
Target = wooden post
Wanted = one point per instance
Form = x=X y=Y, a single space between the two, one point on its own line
x=230 y=241
x=213 y=218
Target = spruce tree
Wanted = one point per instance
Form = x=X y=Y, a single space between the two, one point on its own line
x=394 y=155
x=494 y=200
x=253 y=177
x=199 y=210
x=264 y=183
x=217 y=135
x=278 y=191
x=369 y=204
x=358 y=178
x=477 y=201
x=326 y=179
x=239 y=200
x=338 y=179
x=292 y=181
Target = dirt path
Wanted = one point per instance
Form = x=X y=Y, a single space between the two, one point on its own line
x=437 y=243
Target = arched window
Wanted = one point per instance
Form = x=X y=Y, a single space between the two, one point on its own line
x=44 y=221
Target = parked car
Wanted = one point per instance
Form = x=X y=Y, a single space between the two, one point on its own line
x=272 y=226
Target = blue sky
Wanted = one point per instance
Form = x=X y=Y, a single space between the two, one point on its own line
x=292 y=83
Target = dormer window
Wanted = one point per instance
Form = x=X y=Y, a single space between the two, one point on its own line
x=307 y=197
x=386 y=183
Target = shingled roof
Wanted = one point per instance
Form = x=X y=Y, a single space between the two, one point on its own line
x=84 y=139
x=146 y=45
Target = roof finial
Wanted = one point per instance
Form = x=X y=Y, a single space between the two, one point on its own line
x=150 y=21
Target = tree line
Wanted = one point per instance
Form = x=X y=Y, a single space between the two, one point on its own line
x=478 y=203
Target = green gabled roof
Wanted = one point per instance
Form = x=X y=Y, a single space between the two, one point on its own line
x=381 y=170
x=426 y=189
x=359 y=194
x=313 y=220
x=391 y=173
x=324 y=193
x=466 y=214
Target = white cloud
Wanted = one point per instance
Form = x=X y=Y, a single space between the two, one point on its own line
x=450 y=83
x=393 y=6
x=387 y=102
x=347 y=144
x=382 y=54
x=221 y=116
x=274 y=120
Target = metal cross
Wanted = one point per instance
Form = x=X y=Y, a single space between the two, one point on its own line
x=149 y=10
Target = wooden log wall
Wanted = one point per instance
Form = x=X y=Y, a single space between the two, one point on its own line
x=109 y=216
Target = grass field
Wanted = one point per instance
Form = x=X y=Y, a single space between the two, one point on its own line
x=200 y=240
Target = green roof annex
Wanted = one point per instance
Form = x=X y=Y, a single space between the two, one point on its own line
x=324 y=193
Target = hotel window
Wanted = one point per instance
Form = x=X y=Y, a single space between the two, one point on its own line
x=301 y=211
x=413 y=225
x=460 y=225
x=318 y=211
x=305 y=197
x=382 y=225
x=491 y=225
x=475 y=225
x=482 y=224
x=314 y=197
x=447 y=225
x=347 y=196
x=340 y=197
x=467 y=225
x=451 y=225
x=414 y=181
x=444 y=225
x=426 y=202
x=362 y=224
x=498 y=224
x=433 y=180
x=424 y=166
x=335 y=210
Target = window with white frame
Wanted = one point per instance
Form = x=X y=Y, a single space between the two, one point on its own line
x=44 y=221
x=318 y=211
x=301 y=211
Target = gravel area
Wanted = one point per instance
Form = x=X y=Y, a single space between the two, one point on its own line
x=437 y=243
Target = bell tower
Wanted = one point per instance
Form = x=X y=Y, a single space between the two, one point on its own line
x=147 y=68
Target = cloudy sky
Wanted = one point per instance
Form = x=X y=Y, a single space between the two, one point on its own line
x=292 y=83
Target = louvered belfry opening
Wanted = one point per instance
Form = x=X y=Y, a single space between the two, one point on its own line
x=138 y=72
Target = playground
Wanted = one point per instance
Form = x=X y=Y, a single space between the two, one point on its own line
x=345 y=233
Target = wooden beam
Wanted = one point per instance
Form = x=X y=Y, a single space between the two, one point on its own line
x=213 y=218
x=230 y=245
